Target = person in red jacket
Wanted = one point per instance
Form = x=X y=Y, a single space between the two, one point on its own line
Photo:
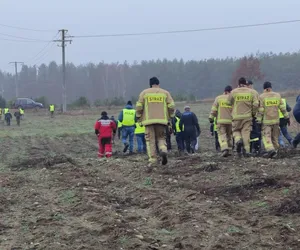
x=105 y=129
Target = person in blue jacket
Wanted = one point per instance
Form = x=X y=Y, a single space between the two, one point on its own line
x=296 y=113
x=128 y=119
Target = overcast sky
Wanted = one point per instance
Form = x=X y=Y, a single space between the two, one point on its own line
x=90 y=17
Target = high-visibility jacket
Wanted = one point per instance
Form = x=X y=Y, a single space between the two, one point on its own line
x=119 y=124
x=128 y=117
x=215 y=125
x=51 y=108
x=22 y=112
x=270 y=102
x=280 y=113
x=155 y=106
x=177 y=127
x=139 y=129
x=222 y=110
x=6 y=110
x=245 y=103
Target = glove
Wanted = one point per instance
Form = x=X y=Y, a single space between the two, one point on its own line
x=288 y=121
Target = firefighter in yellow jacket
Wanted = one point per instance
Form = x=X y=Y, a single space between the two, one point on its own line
x=245 y=106
x=154 y=109
x=222 y=111
x=268 y=118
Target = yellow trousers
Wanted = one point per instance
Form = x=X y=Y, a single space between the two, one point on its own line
x=270 y=134
x=155 y=134
x=241 y=130
x=225 y=136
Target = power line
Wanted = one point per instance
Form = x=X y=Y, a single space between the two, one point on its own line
x=190 y=30
x=20 y=28
x=42 y=56
x=22 y=41
x=24 y=38
x=37 y=56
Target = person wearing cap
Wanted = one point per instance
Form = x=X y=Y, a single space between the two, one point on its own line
x=244 y=102
x=105 y=129
x=154 y=109
x=128 y=119
x=268 y=118
x=191 y=131
x=221 y=111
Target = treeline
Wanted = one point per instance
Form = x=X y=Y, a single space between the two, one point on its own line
x=102 y=83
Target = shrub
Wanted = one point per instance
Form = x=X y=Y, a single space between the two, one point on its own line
x=2 y=102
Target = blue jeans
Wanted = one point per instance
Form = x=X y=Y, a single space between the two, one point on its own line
x=141 y=143
x=128 y=132
x=286 y=134
x=180 y=141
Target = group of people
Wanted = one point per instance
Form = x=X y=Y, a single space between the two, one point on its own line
x=19 y=113
x=242 y=119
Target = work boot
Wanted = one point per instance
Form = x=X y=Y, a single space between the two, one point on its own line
x=270 y=154
x=294 y=144
x=239 y=146
x=225 y=153
x=126 y=146
x=164 y=158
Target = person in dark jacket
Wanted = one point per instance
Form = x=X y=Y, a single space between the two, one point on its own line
x=8 y=117
x=191 y=129
x=18 y=116
x=296 y=113
x=283 y=126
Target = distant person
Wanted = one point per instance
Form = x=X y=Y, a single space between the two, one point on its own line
x=189 y=122
x=214 y=132
x=178 y=132
x=268 y=117
x=22 y=113
x=1 y=114
x=140 y=138
x=168 y=133
x=105 y=129
x=154 y=109
x=283 y=124
x=18 y=116
x=119 y=129
x=51 y=110
x=8 y=116
x=245 y=106
x=128 y=119
x=296 y=113
x=114 y=120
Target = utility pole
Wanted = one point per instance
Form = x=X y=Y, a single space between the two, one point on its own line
x=63 y=46
x=16 y=76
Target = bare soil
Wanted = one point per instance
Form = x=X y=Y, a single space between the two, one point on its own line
x=58 y=195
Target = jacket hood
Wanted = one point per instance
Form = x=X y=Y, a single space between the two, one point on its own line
x=128 y=107
x=104 y=117
x=178 y=113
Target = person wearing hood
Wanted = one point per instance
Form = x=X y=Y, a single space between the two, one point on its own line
x=105 y=129
x=178 y=132
x=128 y=119
x=296 y=113
x=191 y=129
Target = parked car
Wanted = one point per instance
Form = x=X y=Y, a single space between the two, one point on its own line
x=27 y=103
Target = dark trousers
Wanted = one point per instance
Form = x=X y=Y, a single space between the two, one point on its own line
x=190 y=143
x=217 y=144
x=168 y=140
x=180 y=141
x=8 y=122
x=297 y=139
x=286 y=134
